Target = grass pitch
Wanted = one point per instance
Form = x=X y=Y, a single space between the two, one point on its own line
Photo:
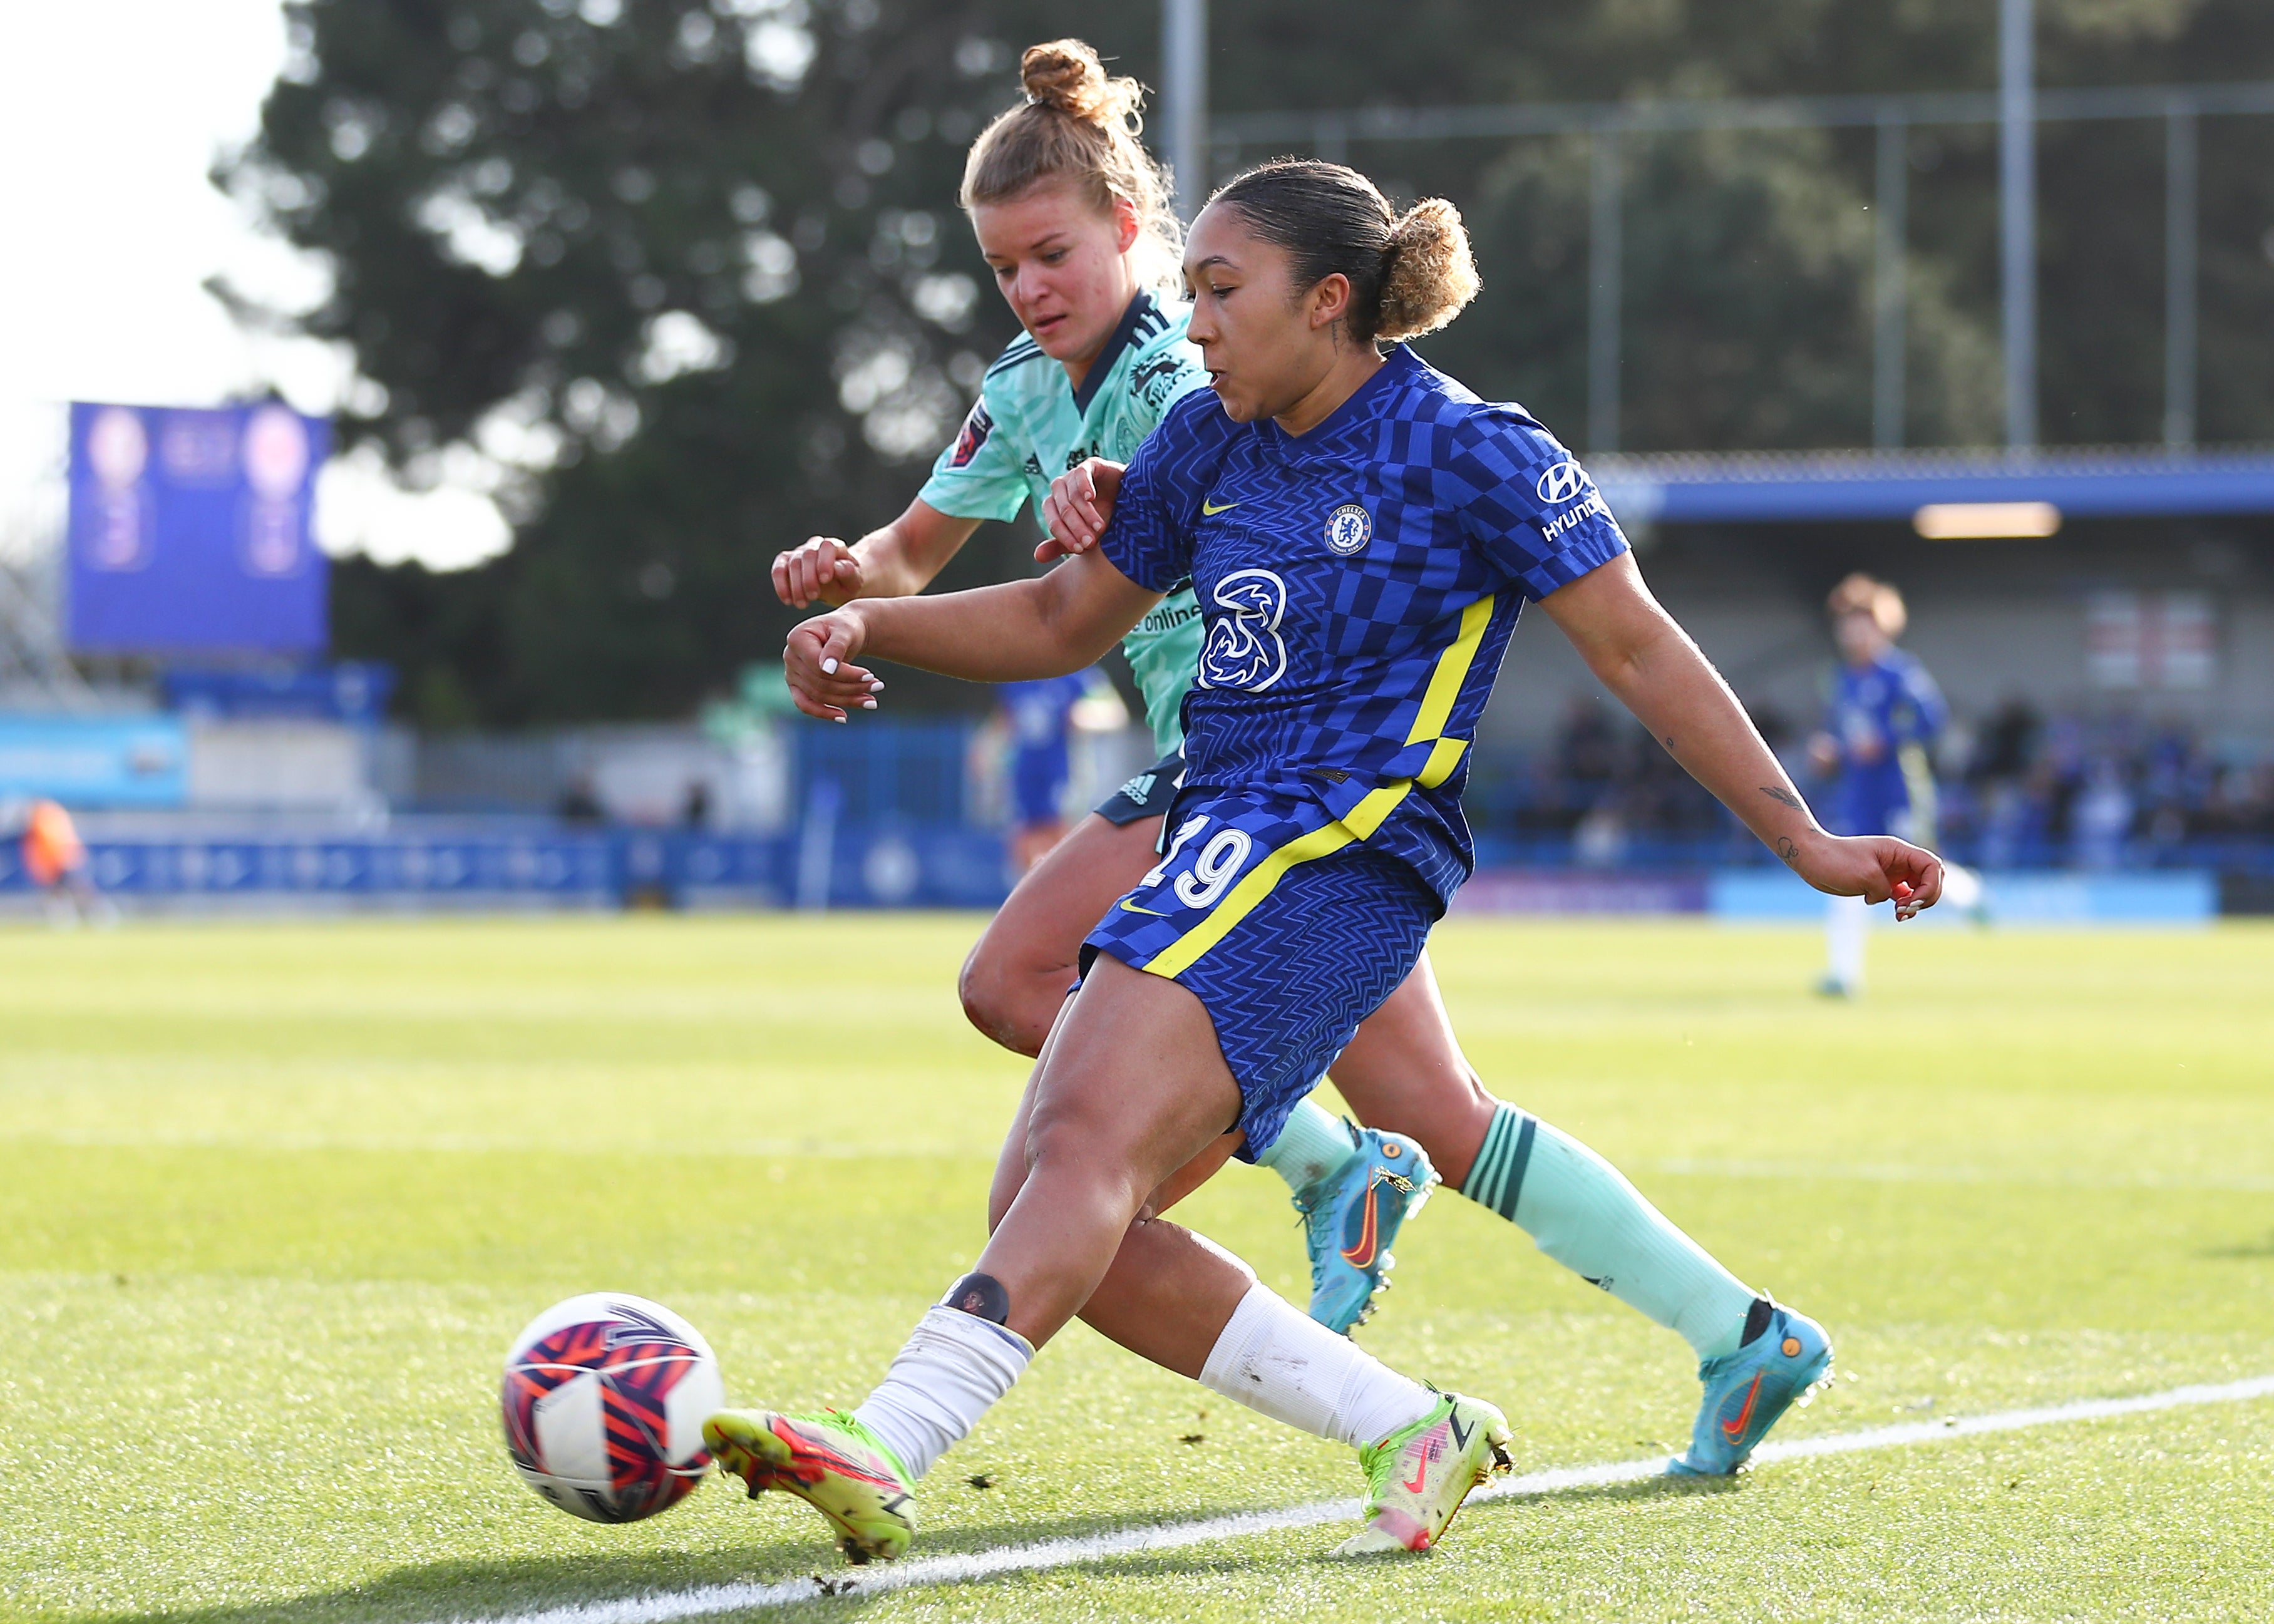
x=276 y=1197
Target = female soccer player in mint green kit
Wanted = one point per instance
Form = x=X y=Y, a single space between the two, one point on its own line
x=1389 y=527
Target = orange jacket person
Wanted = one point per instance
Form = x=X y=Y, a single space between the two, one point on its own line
x=53 y=850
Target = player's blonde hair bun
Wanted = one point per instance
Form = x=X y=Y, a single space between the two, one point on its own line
x=1067 y=75
x=1431 y=276
x=1079 y=125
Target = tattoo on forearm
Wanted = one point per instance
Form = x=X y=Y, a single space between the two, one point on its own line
x=1785 y=796
x=1786 y=849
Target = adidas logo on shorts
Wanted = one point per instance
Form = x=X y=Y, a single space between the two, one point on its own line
x=1140 y=786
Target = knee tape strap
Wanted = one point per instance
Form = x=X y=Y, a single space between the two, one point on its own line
x=981 y=1296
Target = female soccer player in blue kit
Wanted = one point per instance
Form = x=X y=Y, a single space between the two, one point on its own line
x=1881 y=717
x=1072 y=216
x=1361 y=532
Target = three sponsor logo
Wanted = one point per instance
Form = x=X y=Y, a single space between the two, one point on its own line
x=1244 y=650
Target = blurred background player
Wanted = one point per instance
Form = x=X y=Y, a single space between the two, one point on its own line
x=55 y=859
x=1884 y=716
x=1039 y=717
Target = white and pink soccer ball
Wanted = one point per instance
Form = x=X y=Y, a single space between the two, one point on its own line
x=604 y=1397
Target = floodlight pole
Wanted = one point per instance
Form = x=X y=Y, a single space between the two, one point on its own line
x=2017 y=177
x=1606 y=293
x=2181 y=226
x=1888 y=291
x=1184 y=99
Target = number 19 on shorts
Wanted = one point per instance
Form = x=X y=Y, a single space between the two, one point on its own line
x=1217 y=862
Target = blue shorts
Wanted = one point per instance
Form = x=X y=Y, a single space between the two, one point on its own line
x=1038 y=781
x=1284 y=924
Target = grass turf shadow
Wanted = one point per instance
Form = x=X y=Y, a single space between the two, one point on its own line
x=475 y=1590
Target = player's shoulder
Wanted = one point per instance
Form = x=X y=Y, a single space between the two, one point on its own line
x=1162 y=365
x=1194 y=421
x=1465 y=426
x=1158 y=322
x=1182 y=456
x=1908 y=668
x=1016 y=366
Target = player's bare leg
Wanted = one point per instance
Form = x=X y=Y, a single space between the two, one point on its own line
x=1016 y=975
x=1404 y=1071
x=1133 y=1088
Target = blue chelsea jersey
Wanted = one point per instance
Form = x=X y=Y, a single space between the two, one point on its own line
x=1873 y=711
x=1359 y=585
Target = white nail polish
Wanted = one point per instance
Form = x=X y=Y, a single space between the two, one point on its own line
x=829 y=667
x=868 y=704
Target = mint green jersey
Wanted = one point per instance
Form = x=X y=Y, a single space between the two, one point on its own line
x=1029 y=425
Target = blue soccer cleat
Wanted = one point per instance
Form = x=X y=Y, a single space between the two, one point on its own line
x=1747 y=1392
x=1351 y=1217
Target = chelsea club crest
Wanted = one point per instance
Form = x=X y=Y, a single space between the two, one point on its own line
x=1349 y=528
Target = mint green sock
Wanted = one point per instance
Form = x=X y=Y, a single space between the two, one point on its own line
x=1313 y=1144
x=1581 y=1212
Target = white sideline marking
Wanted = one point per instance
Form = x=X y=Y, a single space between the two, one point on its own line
x=662 y=1607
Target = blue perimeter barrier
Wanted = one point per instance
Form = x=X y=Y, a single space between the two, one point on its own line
x=893 y=864
x=884 y=865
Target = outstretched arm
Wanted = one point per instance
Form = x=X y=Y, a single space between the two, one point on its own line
x=895 y=560
x=1047 y=626
x=1641 y=655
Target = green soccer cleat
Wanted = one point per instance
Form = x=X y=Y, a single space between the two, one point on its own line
x=829 y=1460
x=1417 y=1476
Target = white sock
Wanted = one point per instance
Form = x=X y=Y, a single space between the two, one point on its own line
x=1313 y=1144
x=953 y=1369
x=1846 y=919
x=1278 y=1361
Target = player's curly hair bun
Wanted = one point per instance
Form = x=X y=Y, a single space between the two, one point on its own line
x=1067 y=75
x=1409 y=274
x=1431 y=276
x=1078 y=125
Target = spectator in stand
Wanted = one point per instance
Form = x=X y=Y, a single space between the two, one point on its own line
x=579 y=804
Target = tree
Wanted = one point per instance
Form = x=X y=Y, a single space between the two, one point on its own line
x=689 y=274
x=693 y=280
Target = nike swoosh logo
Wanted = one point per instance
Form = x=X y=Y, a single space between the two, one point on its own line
x=1460 y=1433
x=1210 y=508
x=1736 y=1429
x=1359 y=1253
x=1133 y=908
x=1420 y=1476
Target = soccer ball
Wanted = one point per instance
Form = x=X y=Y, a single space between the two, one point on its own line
x=604 y=1397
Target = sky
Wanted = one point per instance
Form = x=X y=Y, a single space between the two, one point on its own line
x=111 y=112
